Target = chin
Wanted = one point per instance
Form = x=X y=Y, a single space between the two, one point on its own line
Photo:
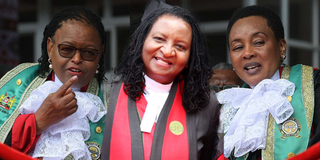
x=254 y=83
x=253 y=80
x=76 y=85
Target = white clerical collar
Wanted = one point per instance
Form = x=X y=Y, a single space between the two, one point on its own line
x=57 y=80
x=156 y=86
x=275 y=77
x=156 y=95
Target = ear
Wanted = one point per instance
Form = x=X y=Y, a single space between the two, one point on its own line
x=49 y=47
x=283 y=47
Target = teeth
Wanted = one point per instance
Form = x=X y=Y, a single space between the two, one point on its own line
x=251 y=67
x=75 y=70
x=161 y=61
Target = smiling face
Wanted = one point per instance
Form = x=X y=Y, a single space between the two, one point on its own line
x=254 y=52
x=166 y=50
x=79 y=35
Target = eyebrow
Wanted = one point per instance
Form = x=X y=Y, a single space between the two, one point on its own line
x=259 y=33
x=159 y=33
x=165 y=36
x=185 y=43
x=254 y=34
x=86 y=46
x=235 y=40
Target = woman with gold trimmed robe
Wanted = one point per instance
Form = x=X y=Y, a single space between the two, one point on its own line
x=72 y=58
x=274 y=115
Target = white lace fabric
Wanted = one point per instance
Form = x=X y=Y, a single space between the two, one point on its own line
x=69 y=135
x=246 y=111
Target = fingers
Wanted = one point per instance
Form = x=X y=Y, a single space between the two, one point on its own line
x=68 y=97
x=72 y=109
x=69 y=90
x=71 y=103
x=63 y=89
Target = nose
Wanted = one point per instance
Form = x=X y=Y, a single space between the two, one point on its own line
x=249 y=53
x=167 y=50
x=76 y=57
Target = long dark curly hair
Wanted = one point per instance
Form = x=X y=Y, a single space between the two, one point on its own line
x=77 y=13
x=196 y=92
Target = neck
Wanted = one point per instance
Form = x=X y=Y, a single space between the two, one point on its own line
x=57 y=80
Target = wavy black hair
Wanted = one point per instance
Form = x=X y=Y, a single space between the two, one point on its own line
x=273 y=20
x=77 y=13
x=196 y=92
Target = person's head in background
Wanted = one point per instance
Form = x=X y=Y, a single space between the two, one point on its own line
x=188 y=56
x=73 y=43
x=255 y=39
x=224 y=77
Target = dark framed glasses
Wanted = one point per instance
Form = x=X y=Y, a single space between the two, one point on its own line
x=217 y=88
x=87 y=54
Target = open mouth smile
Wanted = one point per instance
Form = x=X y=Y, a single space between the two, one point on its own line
x=75 y=70
x=162 y=61
x=252 y=68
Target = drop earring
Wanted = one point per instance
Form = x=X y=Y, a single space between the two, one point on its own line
x=50 y=65
x=283 y=57
x=97 y=71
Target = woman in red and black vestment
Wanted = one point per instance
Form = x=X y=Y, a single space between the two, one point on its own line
x=161 y=107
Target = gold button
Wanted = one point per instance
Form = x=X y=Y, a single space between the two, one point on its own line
x=289 y=98
x=19 y=82
x=290 y=155
x=98 y=129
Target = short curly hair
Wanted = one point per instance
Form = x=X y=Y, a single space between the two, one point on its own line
x=77 y=13
x=196 y=92
x=273 y=20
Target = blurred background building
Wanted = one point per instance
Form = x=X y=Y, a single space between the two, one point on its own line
x=22 y=23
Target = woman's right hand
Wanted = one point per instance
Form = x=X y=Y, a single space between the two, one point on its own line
x=57 y=106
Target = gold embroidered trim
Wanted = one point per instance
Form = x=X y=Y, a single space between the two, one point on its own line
x=285 y=72
x=268 y=153
x=105 y=98
x=7 y=125
x=69 y=157
x=106 y=88
x=12 y=73
x=93 y=87
x=308 y=93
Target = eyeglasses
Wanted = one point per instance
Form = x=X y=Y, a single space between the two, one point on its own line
x=87 y=54
x=217 y=88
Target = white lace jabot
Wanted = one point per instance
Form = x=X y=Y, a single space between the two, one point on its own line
x=156 y=95
x=245 y=114
x=69 y=135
